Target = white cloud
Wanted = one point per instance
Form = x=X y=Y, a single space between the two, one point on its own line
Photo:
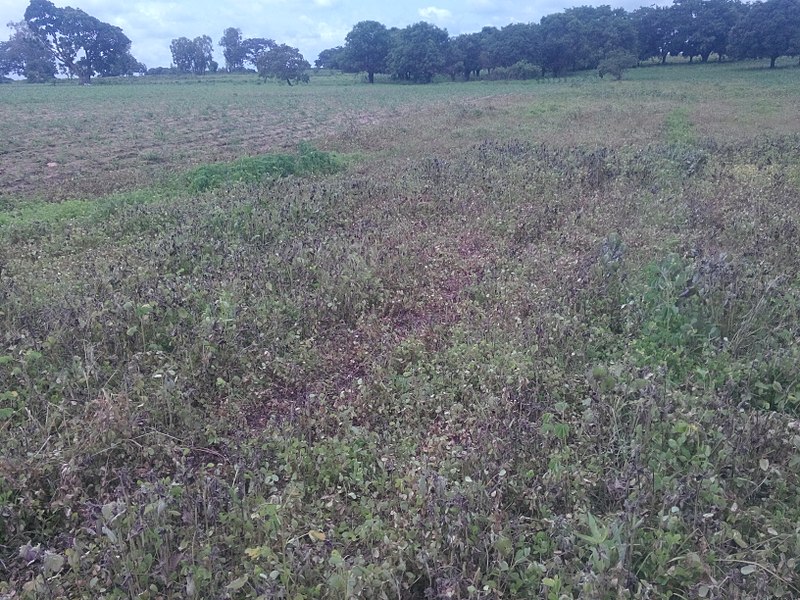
x=435 y=14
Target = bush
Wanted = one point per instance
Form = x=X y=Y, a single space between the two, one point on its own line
x=521 y=70
x=616 y=63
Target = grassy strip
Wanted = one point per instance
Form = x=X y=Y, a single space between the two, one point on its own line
x=679 y=129
x=258 y=168
x=249 y=170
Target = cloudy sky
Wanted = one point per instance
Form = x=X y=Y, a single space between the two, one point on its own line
x=311 y=25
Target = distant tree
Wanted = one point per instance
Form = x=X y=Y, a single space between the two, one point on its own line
x=559 y=48
x=193 y=56
x=25 y=55
x=488 y=58
x=124 y=66
x=656 y=32
x=204 y=55
x=515 y=43
x=332 y=58
x=232 y=50
x=605 y=31
x=579 y=38
x=254 y=47
x=83 y=45
x=769 y=29
x=702 y=26
x=283 y=62
x=183 y=51
x=465 y=55
x=419 y=52
x=367 y=48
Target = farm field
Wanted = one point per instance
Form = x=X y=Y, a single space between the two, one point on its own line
x=464 y=340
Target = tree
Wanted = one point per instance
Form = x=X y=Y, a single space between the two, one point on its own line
x=367 y=48
x=83 y=45
x=515 y=43
x=702 y=26
x=253 y=48
x=419 y=52
x=182 y=50
x=579 y=38
x=204 y=55
x=124 y=66
x=769 y=30
x=25 y=55
x=656 y=33
x=283 y=62
x=193 y=56
x=558 y=44
x=331 y=58
x=232 y=50
x=465 y=54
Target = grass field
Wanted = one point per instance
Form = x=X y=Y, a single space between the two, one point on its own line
x=483 y=340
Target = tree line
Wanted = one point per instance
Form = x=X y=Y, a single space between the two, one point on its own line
x=263 y=55
x=575 y=39
x=67 y=40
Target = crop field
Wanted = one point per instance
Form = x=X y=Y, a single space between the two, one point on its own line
x=464 y=340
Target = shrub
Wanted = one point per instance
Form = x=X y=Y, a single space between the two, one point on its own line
x=616 y=63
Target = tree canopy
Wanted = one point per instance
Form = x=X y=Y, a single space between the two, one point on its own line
x=283 y=63
x=82 y=45
x=332 y=58
x=232 y=49
x=25 y=55
x=193 y=56
x=367 y=48
x=419 y=52
x=769 y=29
x=255 y=47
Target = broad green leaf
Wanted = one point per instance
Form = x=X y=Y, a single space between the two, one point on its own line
x=52 y=564
x=237 y=584
x=748 y=569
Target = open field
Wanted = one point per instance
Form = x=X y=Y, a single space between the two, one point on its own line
x=491 y=340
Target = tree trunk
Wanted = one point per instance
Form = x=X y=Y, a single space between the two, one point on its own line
x=289 y=81
x=371 y=76
x=772 y=60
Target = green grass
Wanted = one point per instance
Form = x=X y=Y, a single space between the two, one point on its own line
x=539 y=341
x=679 y=129
x=257 y=168
x=248 y=170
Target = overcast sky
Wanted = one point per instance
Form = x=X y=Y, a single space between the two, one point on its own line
x=311 y=25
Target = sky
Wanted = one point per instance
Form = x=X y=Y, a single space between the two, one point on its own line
x=310 y=25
